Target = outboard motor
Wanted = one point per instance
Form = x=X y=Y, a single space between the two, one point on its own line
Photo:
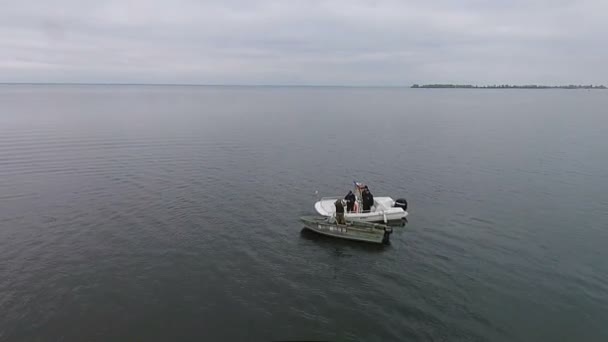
x=401 y=203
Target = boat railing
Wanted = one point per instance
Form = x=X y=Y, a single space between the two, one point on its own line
x=349 y=224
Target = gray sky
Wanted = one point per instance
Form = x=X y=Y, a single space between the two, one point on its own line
x=347 y=42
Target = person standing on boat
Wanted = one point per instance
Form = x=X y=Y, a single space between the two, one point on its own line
x=367 y=199
x=339 y=212
x=350 y=201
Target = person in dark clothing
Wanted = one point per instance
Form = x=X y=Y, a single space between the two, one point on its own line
x=339 y=212
x=350 y=201
x=367 y=199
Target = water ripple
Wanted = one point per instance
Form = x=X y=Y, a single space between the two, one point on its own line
x=161 y=211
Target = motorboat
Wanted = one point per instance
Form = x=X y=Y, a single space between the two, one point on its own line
x=384 y=209
x=351 y=230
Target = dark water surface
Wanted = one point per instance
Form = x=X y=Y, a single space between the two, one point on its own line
x=170 y=213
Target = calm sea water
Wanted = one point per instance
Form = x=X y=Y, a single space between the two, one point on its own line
x=171 y=213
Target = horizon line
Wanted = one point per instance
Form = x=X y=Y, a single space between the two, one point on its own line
x=205 y=84
x=272 y=85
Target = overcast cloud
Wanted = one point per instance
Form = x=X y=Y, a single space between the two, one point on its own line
x=348 y=42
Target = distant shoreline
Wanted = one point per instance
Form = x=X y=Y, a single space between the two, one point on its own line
x=505 y=86
x=415 y=86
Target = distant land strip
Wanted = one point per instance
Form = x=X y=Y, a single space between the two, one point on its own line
x=509 y=86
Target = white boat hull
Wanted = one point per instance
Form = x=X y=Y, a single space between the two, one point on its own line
x=382 y=211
